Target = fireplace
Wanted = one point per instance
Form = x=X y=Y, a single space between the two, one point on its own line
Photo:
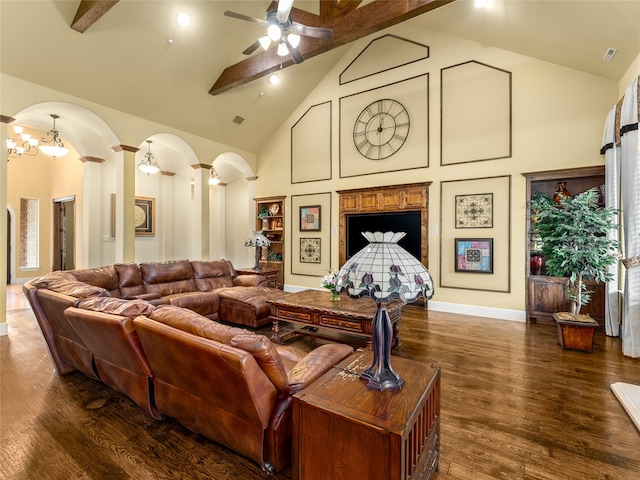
x=396 y=208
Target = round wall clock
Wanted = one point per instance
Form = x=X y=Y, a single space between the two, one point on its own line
x=381 y=129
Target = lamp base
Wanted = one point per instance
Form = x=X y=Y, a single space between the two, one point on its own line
x=257 y=265
x=380 y=376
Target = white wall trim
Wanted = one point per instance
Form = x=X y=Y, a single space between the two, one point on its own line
x=478 y=311
x=4 y=329
x=475 y=310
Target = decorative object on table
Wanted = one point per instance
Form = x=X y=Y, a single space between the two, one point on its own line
x=474 y=211
x=536 y=264
x=561 y=193
x=257 y=240
x=383 y=270
x=310 y=250
x=575 y=243
x=474 y=255
x=310 y=218
x=330 y=282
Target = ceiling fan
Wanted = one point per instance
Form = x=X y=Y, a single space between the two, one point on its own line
x=283 y=30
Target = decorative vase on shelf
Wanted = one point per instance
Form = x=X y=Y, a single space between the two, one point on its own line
x=536 y=264
x=334 y=296
x=265 y=224
x=561 y=192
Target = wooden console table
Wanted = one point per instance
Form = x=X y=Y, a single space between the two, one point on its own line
x=322 y=318
x=341 y=429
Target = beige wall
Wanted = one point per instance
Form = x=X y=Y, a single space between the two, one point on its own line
x=558 y=115
x=632 y=72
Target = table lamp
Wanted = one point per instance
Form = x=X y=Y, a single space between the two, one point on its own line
x=383 y=270
x=257 y=240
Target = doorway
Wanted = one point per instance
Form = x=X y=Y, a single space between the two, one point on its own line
x=64 y=217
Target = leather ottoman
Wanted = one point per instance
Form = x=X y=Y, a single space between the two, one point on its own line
x=247 y=305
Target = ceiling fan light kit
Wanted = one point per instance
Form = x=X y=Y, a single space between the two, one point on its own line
x=283 y=30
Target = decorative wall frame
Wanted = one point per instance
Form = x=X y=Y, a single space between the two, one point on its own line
x=474 y=255
x=310 y=218
x=474 y=211
x=311 y=142
x=310 y=251
x=144 y=219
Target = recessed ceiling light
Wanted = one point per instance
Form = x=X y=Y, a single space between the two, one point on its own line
x=274 y=79
x=184 y=19
x=170 y=41
x=481 y=3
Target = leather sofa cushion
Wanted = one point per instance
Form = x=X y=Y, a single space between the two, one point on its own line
x=129 y=279
x=204 y=303
x=116 y=306
x=265 y=353
x=105 y=277
x=211 y=275
x=168 y=278
x=57 y=276
x=191 y=322
x=73 y=288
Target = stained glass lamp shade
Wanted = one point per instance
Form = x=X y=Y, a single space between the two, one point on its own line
x=257 y=240
x=383 y=270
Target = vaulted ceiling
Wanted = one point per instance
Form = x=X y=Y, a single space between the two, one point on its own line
x=124 y=59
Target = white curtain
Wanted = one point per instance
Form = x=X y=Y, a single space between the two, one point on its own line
x=611 y=150
x=630 y=205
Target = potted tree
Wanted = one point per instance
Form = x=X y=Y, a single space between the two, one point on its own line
x=575 y=245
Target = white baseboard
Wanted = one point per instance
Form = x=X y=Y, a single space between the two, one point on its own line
x=4 y=329
x=629 y=397
x=478 y=311
x=498 y=313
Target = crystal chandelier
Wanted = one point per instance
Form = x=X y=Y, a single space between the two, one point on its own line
x=149 y=165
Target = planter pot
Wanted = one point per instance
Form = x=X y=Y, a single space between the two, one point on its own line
x=575 y=332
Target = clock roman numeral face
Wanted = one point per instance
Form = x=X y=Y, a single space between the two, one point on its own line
x=381 y=129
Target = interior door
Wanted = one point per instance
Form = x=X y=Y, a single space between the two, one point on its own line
x=64 y=234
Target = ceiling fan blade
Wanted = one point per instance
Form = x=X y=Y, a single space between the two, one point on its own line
x=246 y=18
x=295 y=53
x=251 y=48
x=284 y=9
x=317 y=32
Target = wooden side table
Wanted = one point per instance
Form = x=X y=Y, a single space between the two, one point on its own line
x=271 y=275
x=341 y=429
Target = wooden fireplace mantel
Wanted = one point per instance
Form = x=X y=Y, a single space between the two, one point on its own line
x=391 y=198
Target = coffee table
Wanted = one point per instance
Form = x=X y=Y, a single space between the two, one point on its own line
x=347 y=320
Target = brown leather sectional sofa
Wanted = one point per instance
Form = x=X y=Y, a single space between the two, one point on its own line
x=225 y=382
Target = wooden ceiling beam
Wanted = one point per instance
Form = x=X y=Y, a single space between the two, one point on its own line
x=348 y=23
x=89 y=12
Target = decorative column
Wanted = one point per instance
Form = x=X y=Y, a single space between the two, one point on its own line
x=92 y=231
x=200 y=240
x=125 y=251
x=164 y=229
x=3 y=223
x=217 y=227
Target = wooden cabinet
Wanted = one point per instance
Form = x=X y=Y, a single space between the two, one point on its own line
x=270 y=220
x=546 y=295
x=344 y=430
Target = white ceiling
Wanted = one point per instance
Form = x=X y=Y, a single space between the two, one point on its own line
x=124 y=60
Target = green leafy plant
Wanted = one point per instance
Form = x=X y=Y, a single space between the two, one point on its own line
x=574 y=241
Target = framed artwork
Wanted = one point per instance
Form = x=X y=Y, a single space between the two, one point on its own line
x=474 y=211
x=474 y=255
x=310 y=250
x=310 y=218
x=145 y=216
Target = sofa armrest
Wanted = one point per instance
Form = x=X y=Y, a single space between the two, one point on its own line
x=316 y=363
x=248 y=280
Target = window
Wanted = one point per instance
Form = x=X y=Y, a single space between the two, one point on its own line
x=29 y=233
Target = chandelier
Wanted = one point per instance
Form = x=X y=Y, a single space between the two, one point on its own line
x=53 y=147
x=214 y=178
x=149 y=165
x=21 y=144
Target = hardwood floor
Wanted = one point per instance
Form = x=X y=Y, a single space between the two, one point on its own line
x=514 y=406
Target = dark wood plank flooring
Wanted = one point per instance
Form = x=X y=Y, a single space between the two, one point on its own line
x=514 y=406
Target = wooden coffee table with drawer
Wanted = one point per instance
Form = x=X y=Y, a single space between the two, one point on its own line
x=314 y=314
x=342 y=429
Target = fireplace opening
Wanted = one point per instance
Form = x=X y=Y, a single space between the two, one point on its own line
x=405 y=221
